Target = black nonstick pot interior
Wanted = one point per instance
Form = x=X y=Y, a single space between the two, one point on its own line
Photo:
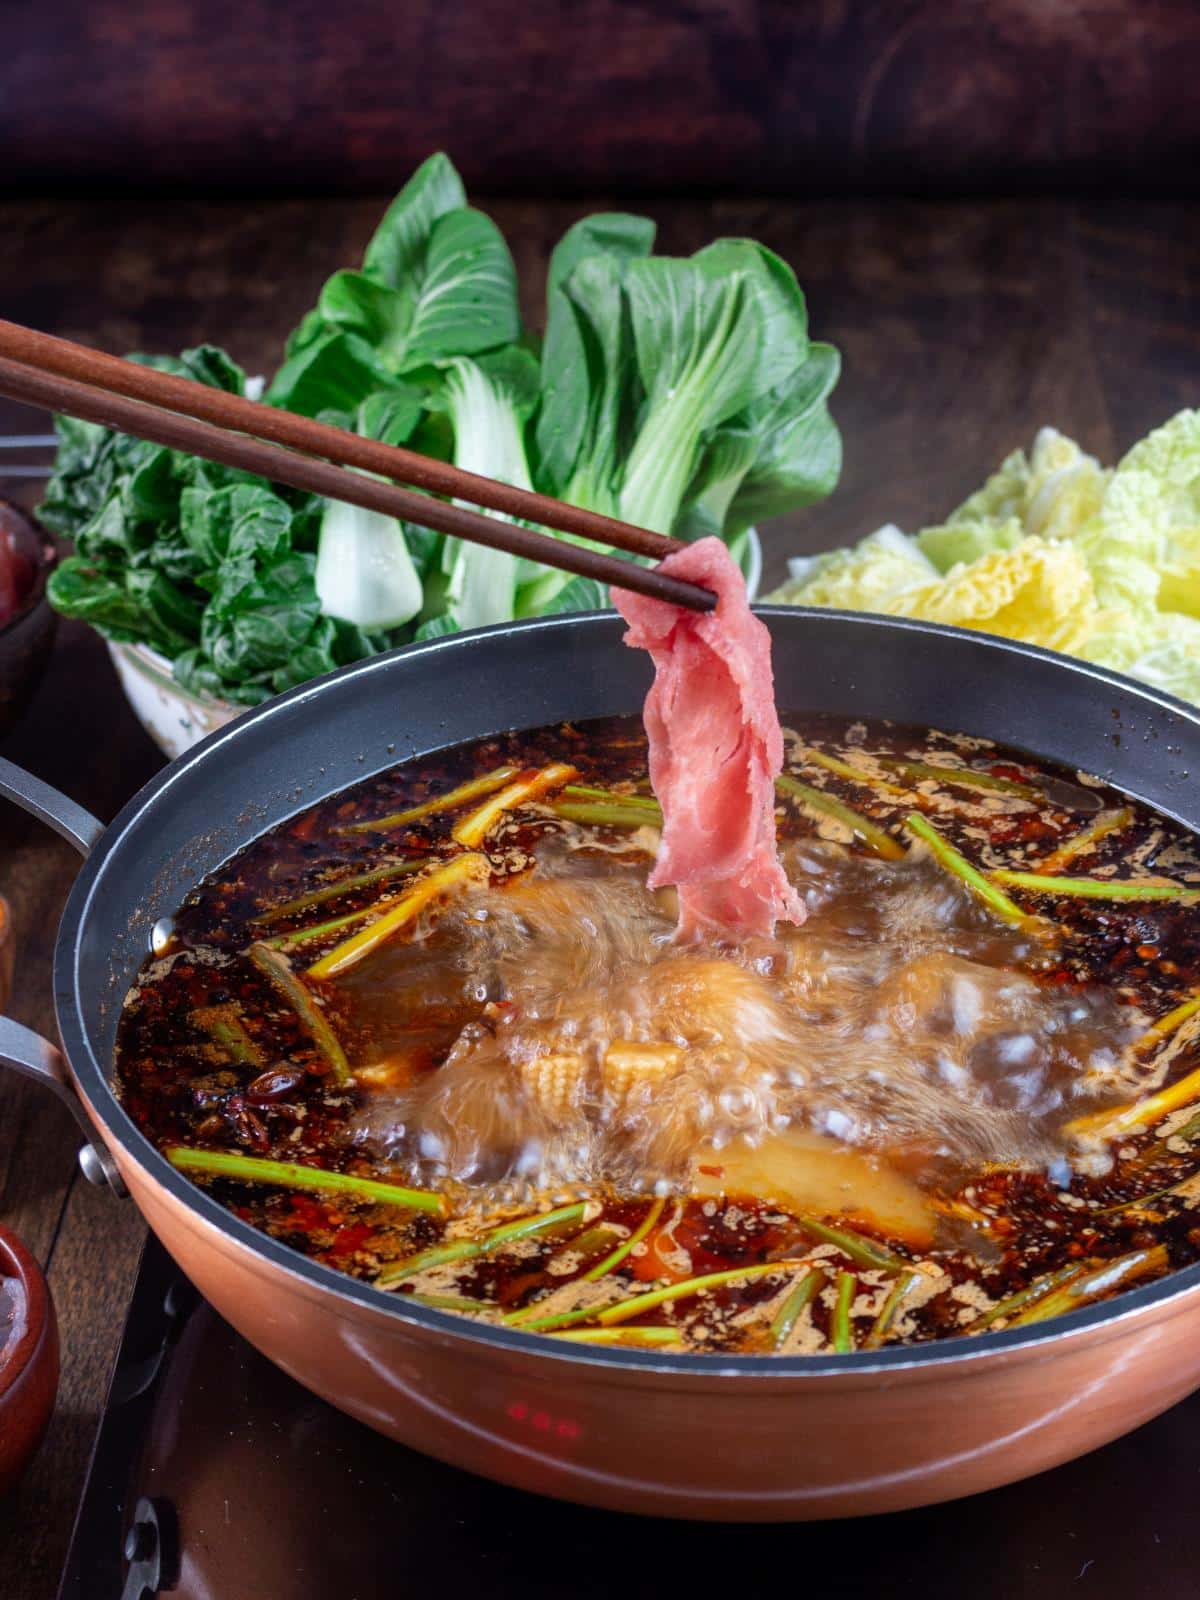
x=319 y=739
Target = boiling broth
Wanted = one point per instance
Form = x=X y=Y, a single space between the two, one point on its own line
x=894 y=1122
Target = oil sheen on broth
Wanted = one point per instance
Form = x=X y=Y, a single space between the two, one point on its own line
x=940 y=1104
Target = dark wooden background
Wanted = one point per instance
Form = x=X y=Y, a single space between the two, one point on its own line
x=569 y=96
x=963 y=325
x=964 y=328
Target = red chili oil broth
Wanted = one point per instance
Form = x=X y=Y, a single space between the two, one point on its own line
x=270 y=1092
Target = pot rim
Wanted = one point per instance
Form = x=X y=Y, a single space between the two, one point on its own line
x=110 y=1115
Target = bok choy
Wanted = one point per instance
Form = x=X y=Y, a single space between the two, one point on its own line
x=682 y=394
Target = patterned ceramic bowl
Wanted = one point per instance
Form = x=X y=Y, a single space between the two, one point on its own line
x=28 y=1357
x=173 y=716
x=27 y=638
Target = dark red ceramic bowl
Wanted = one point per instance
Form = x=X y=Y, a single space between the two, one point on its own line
x=27 y=638
x=28 y=1357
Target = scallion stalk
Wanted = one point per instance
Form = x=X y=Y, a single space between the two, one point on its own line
x=689 y=1287
x=957 y=864
x=465 y=1249
x=827 y=805
x=322 y=930
x=1084 y=842
x=335 y=890
x=597 y=814
x=965 y=777
x=1099 y=1279
x=471 y=790
x=474 y=828
x=887 y=1312
x=613 y=1261
x=226 y=1029
x=294 y=1175
x=841 y=1336
x=284 y=981
x=451 y=874
x=1091 y=888
x=862 y=1251
x=634 y=1336
x=788 y=1315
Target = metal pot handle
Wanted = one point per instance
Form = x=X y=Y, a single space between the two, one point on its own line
x=20 y=1048
x=77 y=826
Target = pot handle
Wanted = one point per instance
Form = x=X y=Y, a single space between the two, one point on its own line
x=77 y=826
x=21 y=1049
x=33 y=1057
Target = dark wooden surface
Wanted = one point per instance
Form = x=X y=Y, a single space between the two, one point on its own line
x=963 y=328
x=557 y=96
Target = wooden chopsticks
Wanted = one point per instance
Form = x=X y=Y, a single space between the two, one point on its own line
x=278 y=445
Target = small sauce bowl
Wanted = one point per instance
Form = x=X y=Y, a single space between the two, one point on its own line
x=28 y=1357
x=27 y=636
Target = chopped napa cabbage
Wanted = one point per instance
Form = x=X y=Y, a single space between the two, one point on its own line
x=1056 y=550
x=1173 y=661
x=953 y=542
x=1039 y=592
x=864 y=578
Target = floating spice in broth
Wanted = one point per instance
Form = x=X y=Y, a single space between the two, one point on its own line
x=952 y=1098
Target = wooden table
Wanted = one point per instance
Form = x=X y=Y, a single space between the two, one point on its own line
x=963 y=329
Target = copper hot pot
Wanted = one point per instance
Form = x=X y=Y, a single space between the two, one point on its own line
x=678 y=1435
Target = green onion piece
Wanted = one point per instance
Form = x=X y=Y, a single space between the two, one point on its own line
x=319 y=930
x=530 y=785
x=862 y=828
x=225 y=1027
x=1083 y=843
x=335 y=890
x=451 y=874
x=465 y=1249
x=599 y=815
x=1189 y=1130
x=887 y=1312
x=958 y=864
x=551 y=1322
x=623 y=1336
x=438 y=1255
x=612 y=1262
x=293 y=1175
x=587 y=791
x=284 y=981
x=528 y=1316
x=1023 y=1297
x=470 y=790
x=843 y=769
x=448 y=1302
x=590 y=1243
x=1167 y=1025
x=690 y=1287
x=862 y=1251
x=1141 y=1199
x=788 y=1315
x=1101 y=1278
x=1091 y=888
x=966 y=777
x=1116 y=1120
x=840 y=1334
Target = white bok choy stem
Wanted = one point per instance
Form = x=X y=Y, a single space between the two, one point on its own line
x=365 y=574
x=488 y=402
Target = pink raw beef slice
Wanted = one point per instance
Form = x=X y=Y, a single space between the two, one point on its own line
x=715 y=750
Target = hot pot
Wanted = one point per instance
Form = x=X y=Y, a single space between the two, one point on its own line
x=677 y=1435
